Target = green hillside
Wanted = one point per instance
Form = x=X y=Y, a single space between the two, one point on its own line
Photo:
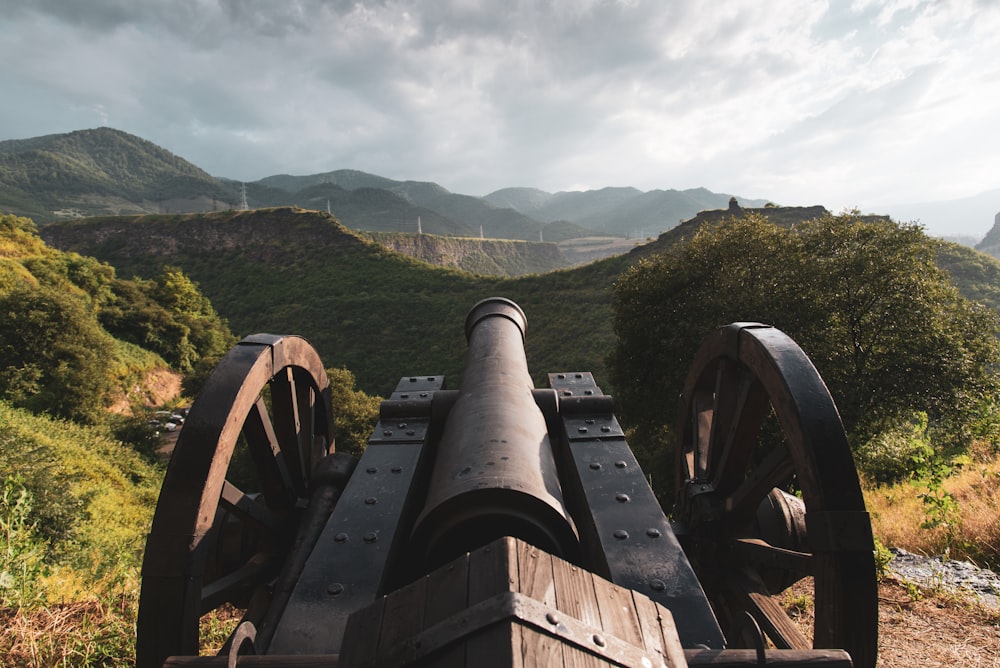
x=374 y=311
x=99 y=171
x=75 y=334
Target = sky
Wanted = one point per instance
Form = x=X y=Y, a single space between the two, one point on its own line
x=846 y=104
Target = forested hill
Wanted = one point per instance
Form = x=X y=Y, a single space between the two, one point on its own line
x=381 y=314
x=100 y=171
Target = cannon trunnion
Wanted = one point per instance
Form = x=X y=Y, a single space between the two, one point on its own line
x=503 y=525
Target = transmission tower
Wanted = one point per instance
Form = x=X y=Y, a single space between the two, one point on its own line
x=243 y=198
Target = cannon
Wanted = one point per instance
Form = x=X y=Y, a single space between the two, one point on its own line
x=499 y=524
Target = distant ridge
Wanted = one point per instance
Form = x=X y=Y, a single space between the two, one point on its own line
x=104 y=171
x=626 y=212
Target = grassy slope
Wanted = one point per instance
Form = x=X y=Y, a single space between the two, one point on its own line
x=80 y=608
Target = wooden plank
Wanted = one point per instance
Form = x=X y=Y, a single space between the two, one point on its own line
x=618 y=615
x=360 y=646
x=534 y=568
x=493 y=570
x=574 y=657
x=747 y=658
x=575 y=596
x=575 y=593
x=539 y=650
x=447 y=595
x=403 y=616
x=252 y=661
x=659 y=633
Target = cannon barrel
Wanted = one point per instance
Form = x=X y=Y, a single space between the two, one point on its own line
x=494 y=470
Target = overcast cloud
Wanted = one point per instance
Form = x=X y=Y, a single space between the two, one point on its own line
x=800 y=101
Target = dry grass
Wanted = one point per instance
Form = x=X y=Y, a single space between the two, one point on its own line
x=969 y=527
x=90 y=633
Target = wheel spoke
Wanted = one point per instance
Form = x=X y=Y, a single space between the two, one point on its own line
x=288 y=429
x=305 y=401
x=230 y=585
x=774 y=471
x=753 y=597
x=249 y=510
x=265 y=451
x=703 y=408
x=742 y=409
x=759 y=554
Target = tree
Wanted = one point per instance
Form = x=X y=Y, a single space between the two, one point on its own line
x=884 y=326
x=354 y=412
x=169 y=316
x=54 y=358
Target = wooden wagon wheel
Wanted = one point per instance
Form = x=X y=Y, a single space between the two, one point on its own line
x=270 y=396
x=747 y=538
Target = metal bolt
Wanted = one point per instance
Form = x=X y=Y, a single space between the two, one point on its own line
x=582 y=430
x=605 y=428
x=396 y=469
x=371 y=501
x=551 y=618
x=588 y=392
x=622 y=498
x=387 y=432
x=595 y=466
x=423 y=395
x=402 y=425
x=620 y=464
x=404 y=396
x=561 y=376
x=335 y=589
x=589 y=420
x=567 y=393
x=370 y=537
x=653 y=533
x=621 y=534
x=340 y=538
x=599 y=640
x=657 y=585
x=371 y=469
x=579 y=375
x=410 y=432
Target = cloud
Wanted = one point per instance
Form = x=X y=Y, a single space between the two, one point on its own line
x=793 y=100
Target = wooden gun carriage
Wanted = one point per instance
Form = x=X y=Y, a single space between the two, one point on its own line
x=504 y=525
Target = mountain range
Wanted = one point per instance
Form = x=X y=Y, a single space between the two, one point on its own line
x=108 y=172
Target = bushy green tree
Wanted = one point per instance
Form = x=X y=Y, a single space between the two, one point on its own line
x=354 y=412
x=888 y=332
x=169 y=316
x=54 y=358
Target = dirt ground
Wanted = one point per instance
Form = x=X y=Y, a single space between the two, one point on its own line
x=936 y=630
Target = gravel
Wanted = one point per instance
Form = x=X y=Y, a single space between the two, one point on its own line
x=960 y=577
